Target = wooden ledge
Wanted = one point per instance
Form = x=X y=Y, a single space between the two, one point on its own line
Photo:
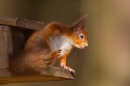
x=24 y=23
x=52 y=74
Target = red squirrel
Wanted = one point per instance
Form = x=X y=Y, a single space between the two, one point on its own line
x=54 y=41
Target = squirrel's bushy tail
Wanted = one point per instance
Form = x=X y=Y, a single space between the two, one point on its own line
x=27 y=63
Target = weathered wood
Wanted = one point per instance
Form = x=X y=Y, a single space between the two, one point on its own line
x=52 y=74
x=5 y=45
x=24 y=23
x=57 y=71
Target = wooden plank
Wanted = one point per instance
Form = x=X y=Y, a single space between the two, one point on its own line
x=5 y=45
x=24 y=23
x=52 y=74
x=59 y=72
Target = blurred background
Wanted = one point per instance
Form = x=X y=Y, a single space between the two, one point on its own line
x=106 y=61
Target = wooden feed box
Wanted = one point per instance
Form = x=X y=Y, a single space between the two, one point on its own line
x=13 y=34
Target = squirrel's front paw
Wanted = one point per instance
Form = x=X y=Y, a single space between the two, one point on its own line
x=67 y=67
x=56 y=53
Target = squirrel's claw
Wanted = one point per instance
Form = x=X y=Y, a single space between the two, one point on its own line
x=56 y=53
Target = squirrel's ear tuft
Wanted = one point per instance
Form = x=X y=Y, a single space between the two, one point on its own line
x=80 y=23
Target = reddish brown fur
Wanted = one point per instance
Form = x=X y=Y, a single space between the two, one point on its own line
x=37 y=53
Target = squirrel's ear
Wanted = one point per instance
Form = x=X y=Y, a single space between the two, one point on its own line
x=80 y=23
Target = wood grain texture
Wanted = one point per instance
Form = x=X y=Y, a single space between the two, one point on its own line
x=52 y=74
x=23 y=23
x=5 y=45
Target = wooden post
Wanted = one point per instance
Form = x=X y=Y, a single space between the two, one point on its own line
x=5 y=45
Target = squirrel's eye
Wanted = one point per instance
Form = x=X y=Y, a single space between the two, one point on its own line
x=81 y=36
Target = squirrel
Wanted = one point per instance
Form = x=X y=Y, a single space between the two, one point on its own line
x=54 y=41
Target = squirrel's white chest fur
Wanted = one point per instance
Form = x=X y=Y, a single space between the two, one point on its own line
x=61 y=42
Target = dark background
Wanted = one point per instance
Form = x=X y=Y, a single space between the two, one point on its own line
x=106 y=62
